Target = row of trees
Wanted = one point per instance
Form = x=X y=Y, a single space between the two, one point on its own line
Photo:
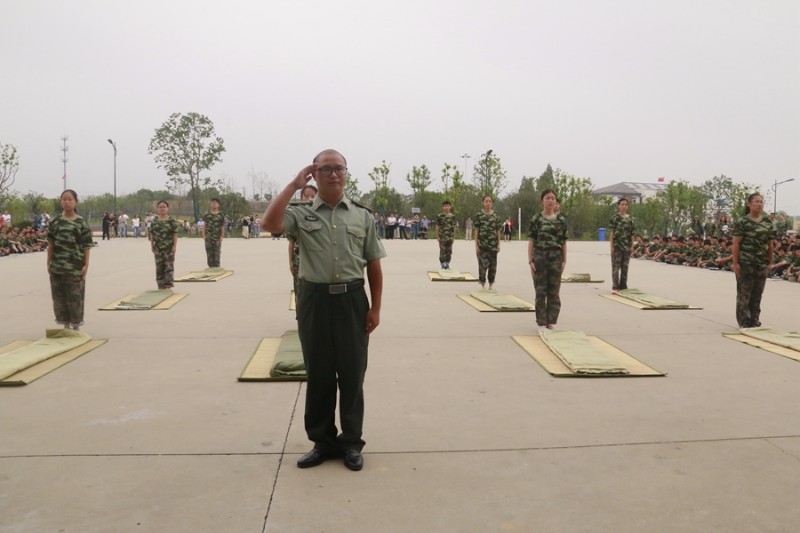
x=186 y=147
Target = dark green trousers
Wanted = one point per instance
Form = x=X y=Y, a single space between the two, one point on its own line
x=547 y=284
x=68 y=294
x=331 y=328
x=213 y=252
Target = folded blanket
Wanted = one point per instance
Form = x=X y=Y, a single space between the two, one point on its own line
x=649 y=300
x=208 y=273
x=289 y=359
x=503 y=302
x=451 y=274
x=146 y=300
x=576 y=278
x=577 y=352
x=775 y=336
x=56 y=341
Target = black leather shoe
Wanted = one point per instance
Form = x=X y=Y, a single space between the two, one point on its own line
x=353 y=460
x=313 y=458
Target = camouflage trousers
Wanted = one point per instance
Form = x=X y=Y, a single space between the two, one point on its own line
x=619 y=269
x=445 y=251
x=749 y=288
x=213 y=252
x=547 y=284
x=487 y=265
x=68 y=295
x=165 y=269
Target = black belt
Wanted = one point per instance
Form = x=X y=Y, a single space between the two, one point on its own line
x=332 y=288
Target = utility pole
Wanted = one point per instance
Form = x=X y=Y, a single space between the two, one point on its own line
x=64 y=148
x=465 y=157
x=114 y=145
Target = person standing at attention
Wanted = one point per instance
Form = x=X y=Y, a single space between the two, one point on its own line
x=621 y=230
x=487 y=241
x=547 y=256
x=213 y=233
x=337 y=241
x=445 y=234
x=69 y=241
x=163 y=241
x=753 y=249
x=468 y=229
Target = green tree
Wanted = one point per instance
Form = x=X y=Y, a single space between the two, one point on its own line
x=9 y=165
x=572 y=192
x=351 y=188
x=420 y=179
x=185 y=146
x=488 y=174
x=446 y=177
x=380 y=179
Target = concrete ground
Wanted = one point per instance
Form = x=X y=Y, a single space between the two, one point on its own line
x=465 y=432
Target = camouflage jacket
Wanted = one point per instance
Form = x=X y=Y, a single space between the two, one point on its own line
x=69 y=239
x=487 y=226
x=446 y=222
x=756 y=236
x=548 y=233
x=214 y=224
x=162 y=232
x=622 y=228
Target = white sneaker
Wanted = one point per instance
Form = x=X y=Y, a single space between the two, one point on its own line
x=542 y=328
x=552 y=326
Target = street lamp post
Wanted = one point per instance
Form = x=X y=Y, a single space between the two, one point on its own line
x=114 y=146
x=465 y=157
x=486 y=170
x=775 y=193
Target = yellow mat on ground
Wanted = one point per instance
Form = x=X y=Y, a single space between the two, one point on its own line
x=780 y=337
x=483 y=307
x=261 y=366
x=550 y=362
x=25 y=361
x=145 y=302
x=579 y=278
x=292 y=301
x=450 y=275
x=764 y=345
x=639 y=305
x=209 y=274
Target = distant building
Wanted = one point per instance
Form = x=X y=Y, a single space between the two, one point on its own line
x=635 y=192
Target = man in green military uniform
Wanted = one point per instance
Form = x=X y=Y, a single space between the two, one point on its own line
x=621 y=228
x=338 y=240
x=487 y=241
x=445 y=234
x=213 y=232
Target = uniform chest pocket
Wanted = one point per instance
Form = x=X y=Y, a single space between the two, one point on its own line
x=311 y=235
x=355 y=240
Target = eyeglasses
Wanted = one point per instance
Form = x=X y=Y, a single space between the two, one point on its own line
x=327 y=171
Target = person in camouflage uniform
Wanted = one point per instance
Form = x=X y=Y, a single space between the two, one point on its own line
x=445 y=234
x=307 y=194
x=709 y=228
x=163 y=241
x=753 y=248
x=213 y=232
x=547 y=256
x=69 y=242
x=487 y=226
x=621 y=228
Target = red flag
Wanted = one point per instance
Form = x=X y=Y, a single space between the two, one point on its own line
x=661 y=180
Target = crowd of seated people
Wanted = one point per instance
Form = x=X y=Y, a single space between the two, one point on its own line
x=715 y=252
x=24 y=240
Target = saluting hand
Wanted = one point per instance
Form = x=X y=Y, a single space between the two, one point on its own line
x=304 y=176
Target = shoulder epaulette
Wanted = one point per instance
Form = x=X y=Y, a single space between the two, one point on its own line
x=361 y=205
x=294 y=203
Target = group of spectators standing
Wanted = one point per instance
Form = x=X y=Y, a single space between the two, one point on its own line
x=400 y=227
x=117 y=225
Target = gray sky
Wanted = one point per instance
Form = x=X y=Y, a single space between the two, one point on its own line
x=626 y=90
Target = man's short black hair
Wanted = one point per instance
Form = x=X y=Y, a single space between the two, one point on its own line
x=446 y=202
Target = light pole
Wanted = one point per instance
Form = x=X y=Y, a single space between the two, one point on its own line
x=465 y=157
x=114 y=146
x=775 y=193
